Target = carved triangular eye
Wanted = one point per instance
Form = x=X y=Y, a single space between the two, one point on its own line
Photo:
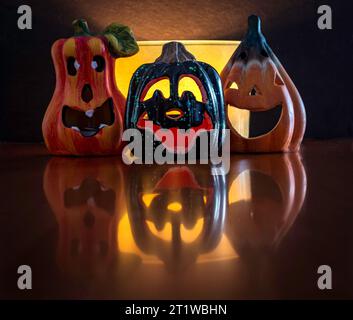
x=234 y=85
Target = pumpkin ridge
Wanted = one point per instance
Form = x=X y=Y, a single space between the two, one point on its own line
x=174 y=52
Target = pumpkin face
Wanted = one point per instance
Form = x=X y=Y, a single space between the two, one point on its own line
x=198 y=112
x=254 y=80
x=85 y=196
x=266 y=194
x=176 y=213
x=85 y=115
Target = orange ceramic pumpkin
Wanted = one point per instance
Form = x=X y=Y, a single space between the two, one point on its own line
x=266 y=194
x=85 y=114
x=85 y=196
x=255 y=80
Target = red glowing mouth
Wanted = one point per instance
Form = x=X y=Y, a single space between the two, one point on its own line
x=180 y=141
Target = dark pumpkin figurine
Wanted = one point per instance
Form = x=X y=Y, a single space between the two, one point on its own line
x=255 y=80
x=181 y=110
x=85 y=115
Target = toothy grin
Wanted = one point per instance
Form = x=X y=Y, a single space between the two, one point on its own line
x=89 y=123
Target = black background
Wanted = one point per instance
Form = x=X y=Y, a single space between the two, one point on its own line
x=320 y=62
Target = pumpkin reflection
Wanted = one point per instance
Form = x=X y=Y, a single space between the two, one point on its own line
x=266 y=193
x=85 y=195
x=176 y=213
x=174 y=217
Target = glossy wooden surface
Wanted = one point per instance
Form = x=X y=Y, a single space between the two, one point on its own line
x=73 y=221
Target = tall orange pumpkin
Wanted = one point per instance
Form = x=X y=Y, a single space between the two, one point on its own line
x=85 y=114
x=255 y=80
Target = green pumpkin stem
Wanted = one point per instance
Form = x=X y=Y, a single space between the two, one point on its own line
x=81 y=28
x=175 y=52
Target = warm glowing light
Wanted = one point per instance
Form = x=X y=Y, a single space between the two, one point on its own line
x=174 y=114
x=234 y=86
x=239 y=119
x=240 y=188
x=215 y=53
x=162 y=85
x=186 y=235
x=190 y=235
x=175 y=207
x=204 y=199
x=147 y=198
x=127 y=244
x=165 y=234
x=189 y=84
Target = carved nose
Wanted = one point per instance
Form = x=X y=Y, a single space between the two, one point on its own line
x=87 y=94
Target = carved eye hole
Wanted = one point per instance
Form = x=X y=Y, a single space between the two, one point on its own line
x=189 y=84
x=162 y=85
x=243 y=55
x=234 y=85
x=174 y=114
x=98 y=63
x=72 y=66
x=255 y=91
x=264 y=53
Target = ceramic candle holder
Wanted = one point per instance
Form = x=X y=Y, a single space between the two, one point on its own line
x=255 y=80
x=85 y=114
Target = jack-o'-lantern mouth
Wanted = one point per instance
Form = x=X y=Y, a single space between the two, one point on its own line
x=182 y=140
x=89 y=123
x=261 y=122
